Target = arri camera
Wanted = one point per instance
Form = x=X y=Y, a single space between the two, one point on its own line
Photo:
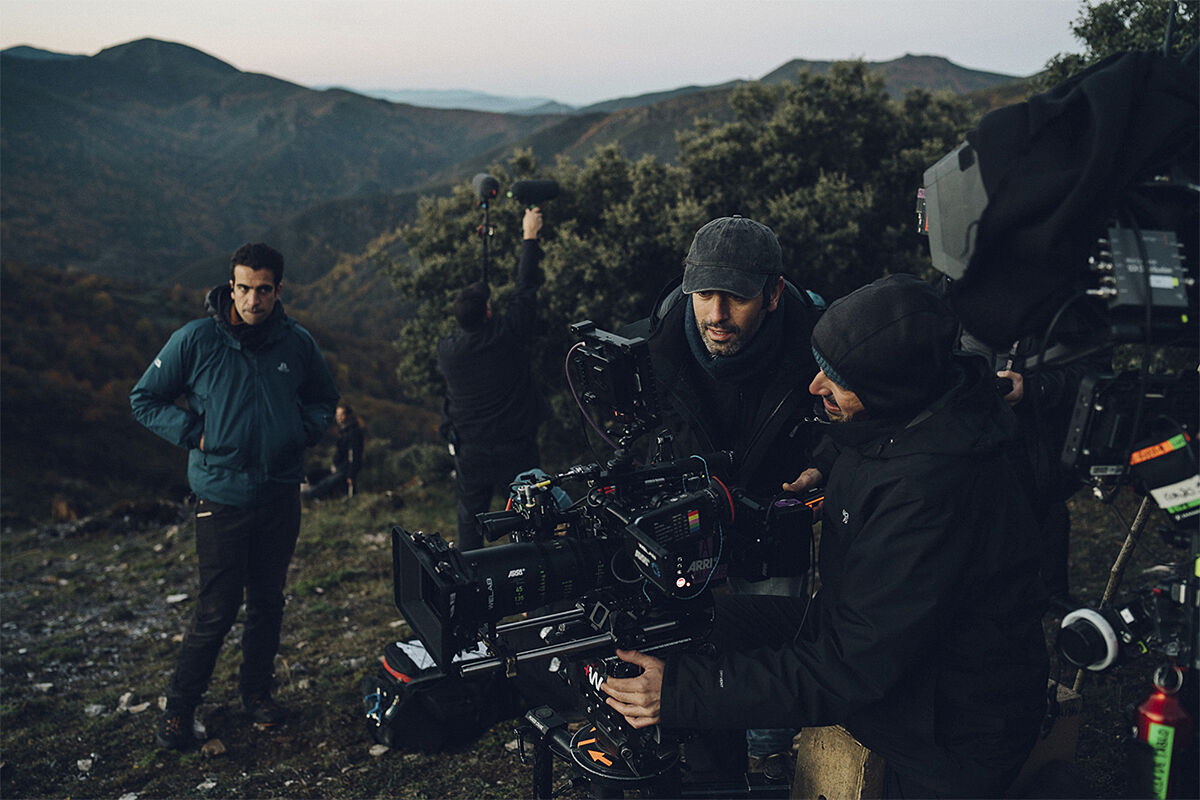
x=629 y=564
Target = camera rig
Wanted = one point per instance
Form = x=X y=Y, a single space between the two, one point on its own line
x=630 y=564
x=1033 y=218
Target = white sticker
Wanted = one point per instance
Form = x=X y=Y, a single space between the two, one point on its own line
x=420 y=656
x=1178 y=495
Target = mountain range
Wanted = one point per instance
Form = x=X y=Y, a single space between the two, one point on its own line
x=152 y=160
x=130 y=175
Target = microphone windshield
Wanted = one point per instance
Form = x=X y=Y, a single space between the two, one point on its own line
x=531 y=193
x=486 y=187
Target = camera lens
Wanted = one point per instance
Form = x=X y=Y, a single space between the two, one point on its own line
x=518 y=577
x=1087 y=639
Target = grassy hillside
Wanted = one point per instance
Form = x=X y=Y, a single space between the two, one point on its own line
x=150 y=155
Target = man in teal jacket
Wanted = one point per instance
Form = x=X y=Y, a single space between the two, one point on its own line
x=258 y=392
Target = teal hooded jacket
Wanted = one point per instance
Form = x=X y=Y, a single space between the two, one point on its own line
x=257 y=409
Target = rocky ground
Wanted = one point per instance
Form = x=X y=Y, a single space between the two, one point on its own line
x=93 y=610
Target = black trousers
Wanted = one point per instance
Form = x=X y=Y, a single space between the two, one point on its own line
x=481 y=470
x=242 y=554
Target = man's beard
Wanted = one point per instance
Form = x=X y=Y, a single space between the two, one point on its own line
x=741 y=336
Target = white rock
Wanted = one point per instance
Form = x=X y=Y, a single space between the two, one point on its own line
x=379 y=749
x=176 y=598
x=94 y=710
x=128 y=796
x=84 y=764
x=44 y=688
x=139 y=708
x=123 y=703
x=206 y=786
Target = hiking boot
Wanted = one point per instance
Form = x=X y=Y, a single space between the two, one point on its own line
x=262 y=710
x=175 y=729
x=776 y=767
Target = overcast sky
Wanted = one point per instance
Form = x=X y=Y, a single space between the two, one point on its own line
x=574 y=51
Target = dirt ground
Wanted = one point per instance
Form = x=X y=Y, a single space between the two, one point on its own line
x=92 y=614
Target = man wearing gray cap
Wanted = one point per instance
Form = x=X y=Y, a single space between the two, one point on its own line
x=925 y=640
x=723 y=347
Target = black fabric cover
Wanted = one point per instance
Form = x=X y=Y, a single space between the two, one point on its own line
x=1055 y=168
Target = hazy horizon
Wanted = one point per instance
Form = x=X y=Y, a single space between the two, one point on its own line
x=570 y=52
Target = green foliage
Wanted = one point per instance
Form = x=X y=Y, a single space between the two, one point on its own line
x=1114 y=26
x=612 y=240
x=832 y=164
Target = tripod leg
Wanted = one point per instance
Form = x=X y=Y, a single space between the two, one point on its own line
x=543 y=770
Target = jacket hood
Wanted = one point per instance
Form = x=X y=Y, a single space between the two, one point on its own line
x=217 y=304
x=890 y=343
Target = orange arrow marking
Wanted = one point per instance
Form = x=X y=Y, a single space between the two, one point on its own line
x=598 y=756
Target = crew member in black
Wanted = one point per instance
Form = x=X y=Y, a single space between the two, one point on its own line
x=493 y=408
x=347 y=458
x=723 y=360
x=925 y=639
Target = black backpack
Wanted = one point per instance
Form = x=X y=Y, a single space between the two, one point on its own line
x=410 y=704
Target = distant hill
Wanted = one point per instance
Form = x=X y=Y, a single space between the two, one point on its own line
x=150 y=155
x=908 y=72
x=25 y=51
x=639 y=129
x=466 y=99
x=154 y=160
x=933 y=73
x=651 y=98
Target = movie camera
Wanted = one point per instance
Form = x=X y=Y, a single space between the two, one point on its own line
x=630 y=564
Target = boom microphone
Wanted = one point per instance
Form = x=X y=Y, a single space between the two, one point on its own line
x=486 y=187
x=530 y=193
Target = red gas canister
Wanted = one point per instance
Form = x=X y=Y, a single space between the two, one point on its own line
x=1163 y=724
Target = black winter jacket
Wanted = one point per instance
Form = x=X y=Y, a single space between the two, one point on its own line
x=768 y=435
x=925 y=640
x=491 y=397
x=761 y=420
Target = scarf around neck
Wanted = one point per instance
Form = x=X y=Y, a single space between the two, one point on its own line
x=752 y=360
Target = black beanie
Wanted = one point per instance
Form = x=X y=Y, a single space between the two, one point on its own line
x=890 y=343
